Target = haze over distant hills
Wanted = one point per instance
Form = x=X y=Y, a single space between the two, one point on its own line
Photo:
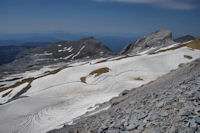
x=13 y=44
x=114 y=41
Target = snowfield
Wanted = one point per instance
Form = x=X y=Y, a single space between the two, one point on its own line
x=55 y=100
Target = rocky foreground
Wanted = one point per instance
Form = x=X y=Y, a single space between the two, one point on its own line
x=169 y=104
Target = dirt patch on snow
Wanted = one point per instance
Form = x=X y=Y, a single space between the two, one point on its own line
x=83 y=79
x=188 y=57
x=138 y=78
x=123 y=57
x=101 y=61
x=99 y=71
x=193 y=44
x=96 y=73
x=168 y=49
x=6 y=93
x=29 y=81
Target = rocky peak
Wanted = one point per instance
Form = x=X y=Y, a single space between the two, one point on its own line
x=88 y=38
x=185 y=38
x=63 y=51
x=156 y=39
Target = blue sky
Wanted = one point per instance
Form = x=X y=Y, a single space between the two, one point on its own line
x=100 y=16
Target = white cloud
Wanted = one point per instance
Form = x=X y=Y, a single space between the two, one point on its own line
x=168 y=4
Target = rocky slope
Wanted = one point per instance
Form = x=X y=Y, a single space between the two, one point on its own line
x=63 y=51
x=8 y=53
x=169 y=104
x=157 y=39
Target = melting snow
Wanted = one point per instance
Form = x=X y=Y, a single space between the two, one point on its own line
x=46 y=53
x=57 y=99
x=78 y=52
x=13 y=92
x=70 y=49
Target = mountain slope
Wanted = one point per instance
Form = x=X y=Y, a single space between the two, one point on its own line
x=8 y=53
x=169 y=104
x=64 y=51
x=46 y=101
x=157 y=39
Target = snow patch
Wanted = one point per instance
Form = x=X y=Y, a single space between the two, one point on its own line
x=13 y=92
x=46 y=53
x=78 y=52
x=70 y=49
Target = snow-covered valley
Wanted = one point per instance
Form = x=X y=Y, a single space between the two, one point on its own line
x=56 y=99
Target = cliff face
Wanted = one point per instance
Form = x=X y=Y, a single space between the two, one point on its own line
x=156 y=39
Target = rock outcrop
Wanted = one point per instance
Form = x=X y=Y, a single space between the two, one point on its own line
x=156 y=39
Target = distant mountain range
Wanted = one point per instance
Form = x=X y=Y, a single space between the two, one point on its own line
x=114 y=42
x=25 y=55
x=63 y=51
x=154 y=41
x=82 y=86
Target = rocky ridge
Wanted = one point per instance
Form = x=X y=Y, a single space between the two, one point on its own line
x=157 y=39
x=64 y=51
x=169 y=104
x=185 y=38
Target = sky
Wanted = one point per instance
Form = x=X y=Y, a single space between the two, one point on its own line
x=100 y=16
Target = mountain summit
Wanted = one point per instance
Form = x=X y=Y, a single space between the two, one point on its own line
x=156 y=39
x=185 y=38
x=86 y=48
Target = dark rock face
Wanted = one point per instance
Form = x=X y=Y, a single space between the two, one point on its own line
x=156 y=39
x=185 y=38
x=63 y=51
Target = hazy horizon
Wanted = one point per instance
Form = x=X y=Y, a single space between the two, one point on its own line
x=100 y=16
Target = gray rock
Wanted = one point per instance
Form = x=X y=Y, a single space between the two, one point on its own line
x=160 y=104
x=142 y=116
x=156 y=39
x=197 y=120
x=141 y=126
x=192 y=123
x=173 y=129
x=134 y=120
x=119 y=124
x=163 y=114
x=124 y=131
x=113 y=131
x=154 y=117
x=187 y=113
x=131 y=127
x=157 y=131
x=190 y=130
